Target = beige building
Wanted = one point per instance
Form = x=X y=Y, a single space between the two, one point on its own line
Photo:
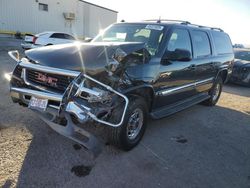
x=78 y=17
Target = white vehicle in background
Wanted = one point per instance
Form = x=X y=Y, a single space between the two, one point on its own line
x=46 y=39
x=28 y=41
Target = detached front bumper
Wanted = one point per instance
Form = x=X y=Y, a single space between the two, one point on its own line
x=63 y=109
x=68 y=129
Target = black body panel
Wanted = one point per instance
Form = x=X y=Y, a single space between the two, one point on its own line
x=166 y=82
x=84 y=57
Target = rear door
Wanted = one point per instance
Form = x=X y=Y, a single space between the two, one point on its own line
x=176 y=78
x=203 y=59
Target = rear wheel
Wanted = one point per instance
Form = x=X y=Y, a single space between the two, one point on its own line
x=129 y=134
x=214 y=93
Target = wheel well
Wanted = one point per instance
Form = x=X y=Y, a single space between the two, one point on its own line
x=223 y=75
x=147 y=93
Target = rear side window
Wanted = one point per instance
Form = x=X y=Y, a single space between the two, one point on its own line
x=58 y=36
x=201 y=44
x=222 y=43
x=179 y=39
x=69 y=37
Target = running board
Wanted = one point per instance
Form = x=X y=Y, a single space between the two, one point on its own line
x=173 y=108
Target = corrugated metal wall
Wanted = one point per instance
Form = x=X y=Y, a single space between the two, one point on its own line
x=25 y=16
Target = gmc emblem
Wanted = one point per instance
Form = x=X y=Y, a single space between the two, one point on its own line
x=47 y=79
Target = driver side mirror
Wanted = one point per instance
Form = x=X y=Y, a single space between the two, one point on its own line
x=177 y=55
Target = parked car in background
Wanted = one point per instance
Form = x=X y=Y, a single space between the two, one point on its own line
x=241 y=68
x=28 y=41
x=46 y=39
x=238 y=46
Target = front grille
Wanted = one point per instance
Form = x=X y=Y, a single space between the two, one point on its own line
x=18 y=71
x=59 y=86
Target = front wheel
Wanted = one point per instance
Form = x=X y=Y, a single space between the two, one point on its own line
x=214 y=93
x=129 y=134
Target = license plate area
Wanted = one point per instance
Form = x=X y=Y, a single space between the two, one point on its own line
x=38 y=104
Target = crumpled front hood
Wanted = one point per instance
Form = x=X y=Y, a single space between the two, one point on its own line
x=90 y=58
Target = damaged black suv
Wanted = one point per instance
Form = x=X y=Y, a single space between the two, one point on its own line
x=126 y=74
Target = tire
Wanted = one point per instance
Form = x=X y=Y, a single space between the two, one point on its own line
x=214 y=93
x=121 y=136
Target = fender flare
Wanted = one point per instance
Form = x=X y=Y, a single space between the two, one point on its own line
x=136 y=91
x=222 y=69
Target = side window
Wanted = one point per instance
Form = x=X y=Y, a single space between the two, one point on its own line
x=201 y=44
x=222 y=42
x=69 y=37
x=58 y=36
x=179 y=39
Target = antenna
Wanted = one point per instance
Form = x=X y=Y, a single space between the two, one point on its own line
x=159 y=21
x=167 y=20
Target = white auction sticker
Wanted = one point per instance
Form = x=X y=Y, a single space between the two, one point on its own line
x=155 y=27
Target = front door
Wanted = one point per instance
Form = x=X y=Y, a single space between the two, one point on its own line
x=176 y=78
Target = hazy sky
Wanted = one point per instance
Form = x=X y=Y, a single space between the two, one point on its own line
x=233 y=16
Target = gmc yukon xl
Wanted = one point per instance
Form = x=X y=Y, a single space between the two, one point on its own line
x=130 y=72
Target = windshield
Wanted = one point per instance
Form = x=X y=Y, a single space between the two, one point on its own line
x=151 y=35
x=243 y=55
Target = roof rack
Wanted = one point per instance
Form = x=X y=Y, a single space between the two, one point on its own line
x=167 y=20
x=184 y=23
x=206 y=27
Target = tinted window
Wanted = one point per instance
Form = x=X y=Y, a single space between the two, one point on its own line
x=179 y=39
x=69 y=37
x=222 y=42
x=201 y=44
x=243 y=55
x=58 y=36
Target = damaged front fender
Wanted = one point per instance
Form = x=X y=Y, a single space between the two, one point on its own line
x=79 y=101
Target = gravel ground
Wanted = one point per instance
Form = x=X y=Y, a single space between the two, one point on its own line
x=199 y=147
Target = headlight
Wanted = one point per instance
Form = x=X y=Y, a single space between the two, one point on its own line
x=8 y=76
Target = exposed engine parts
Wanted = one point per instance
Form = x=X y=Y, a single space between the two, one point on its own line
x=91 y=99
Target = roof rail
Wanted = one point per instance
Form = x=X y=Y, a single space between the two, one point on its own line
x=206 y=27
x=183 y=22
x=167 y=20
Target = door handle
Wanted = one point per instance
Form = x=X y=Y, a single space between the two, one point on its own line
x=192 y=67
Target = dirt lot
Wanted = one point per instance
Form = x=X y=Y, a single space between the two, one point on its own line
x=199 y=147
